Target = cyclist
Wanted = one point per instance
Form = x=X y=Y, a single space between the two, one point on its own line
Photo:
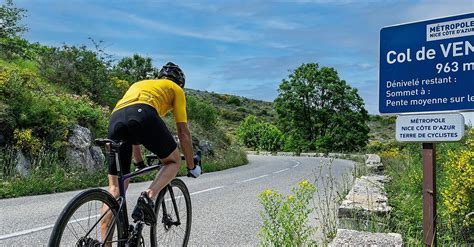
x=136 y=119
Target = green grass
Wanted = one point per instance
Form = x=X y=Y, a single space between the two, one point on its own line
x=51 y=175
x=232 y=157
x=51 y=180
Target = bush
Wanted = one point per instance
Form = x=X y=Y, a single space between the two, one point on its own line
x=458 y=196
x=270 y=137
x=247 y=132
x=242 y=109
x=84 y=71
x=260 y=135
x=48 y=114
x=25 y=141
x=263 y=112
x=234 y=100
x=231 y=116
x=202 y=112
x=285 y=218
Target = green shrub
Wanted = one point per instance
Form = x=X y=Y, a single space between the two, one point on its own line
x=270 y=137
x=234 y=100
x=263 y=112
x=84 y=71
x=247 y=133
x=16 y=47
x=231 y=116
x=285 y=219
x=242 y=109
x=47 y=113
x=201 y=111
x=260 y=135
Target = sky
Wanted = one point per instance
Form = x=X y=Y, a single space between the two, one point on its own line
x=238 y=47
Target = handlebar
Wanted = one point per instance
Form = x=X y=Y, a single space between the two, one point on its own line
x=152 y=157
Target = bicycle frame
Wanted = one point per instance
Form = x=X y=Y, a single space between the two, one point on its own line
x=122 y=179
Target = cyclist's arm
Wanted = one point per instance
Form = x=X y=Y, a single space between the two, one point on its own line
x=186 y=143
x=180 y=116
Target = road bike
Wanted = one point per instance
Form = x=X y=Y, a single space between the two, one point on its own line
x=80 y=221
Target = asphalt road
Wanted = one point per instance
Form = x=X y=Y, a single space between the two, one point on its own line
x=225 y=204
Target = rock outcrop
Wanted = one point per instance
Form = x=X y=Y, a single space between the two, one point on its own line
x=22 y=164
x=81 y=152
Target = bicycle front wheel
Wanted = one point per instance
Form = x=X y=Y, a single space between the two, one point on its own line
x=86 y=221
x=173 y=214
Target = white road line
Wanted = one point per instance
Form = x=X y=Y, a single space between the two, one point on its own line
x=206 y=190
x=286 y=169
x=25 y=232
x=297 y=164
x=37 y=229
x=251 y=179
x=42 y=228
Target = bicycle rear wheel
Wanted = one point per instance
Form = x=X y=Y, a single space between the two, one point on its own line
x=173 y=214
x=80 y=221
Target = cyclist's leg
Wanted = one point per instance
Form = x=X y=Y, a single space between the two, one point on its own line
x=168 y=171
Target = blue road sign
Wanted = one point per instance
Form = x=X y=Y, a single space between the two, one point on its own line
x=427 y=66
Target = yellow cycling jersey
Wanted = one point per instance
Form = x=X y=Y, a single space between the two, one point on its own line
x=162 y=94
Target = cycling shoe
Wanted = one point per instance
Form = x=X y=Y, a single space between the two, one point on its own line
x=144 y=210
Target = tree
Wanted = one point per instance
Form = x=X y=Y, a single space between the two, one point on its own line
x=135 y=68
x=315 y=105
x=11 y=44
x=10 y=16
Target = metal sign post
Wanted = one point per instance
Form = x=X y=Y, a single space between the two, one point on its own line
x=429 y=194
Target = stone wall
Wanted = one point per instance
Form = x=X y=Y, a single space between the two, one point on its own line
x=366 y=204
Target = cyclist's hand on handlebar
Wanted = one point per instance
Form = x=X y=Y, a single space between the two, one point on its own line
x=196 y=171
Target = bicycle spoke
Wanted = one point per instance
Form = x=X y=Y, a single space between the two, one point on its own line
x=76 y=221
x=73 y=232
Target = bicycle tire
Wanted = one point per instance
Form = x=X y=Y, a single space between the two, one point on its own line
x=163 y=201
x=99 y=195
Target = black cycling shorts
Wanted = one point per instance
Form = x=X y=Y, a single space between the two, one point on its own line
x=138 y=124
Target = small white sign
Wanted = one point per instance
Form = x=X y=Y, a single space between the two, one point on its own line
x=450 y=29
x=430 y=128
